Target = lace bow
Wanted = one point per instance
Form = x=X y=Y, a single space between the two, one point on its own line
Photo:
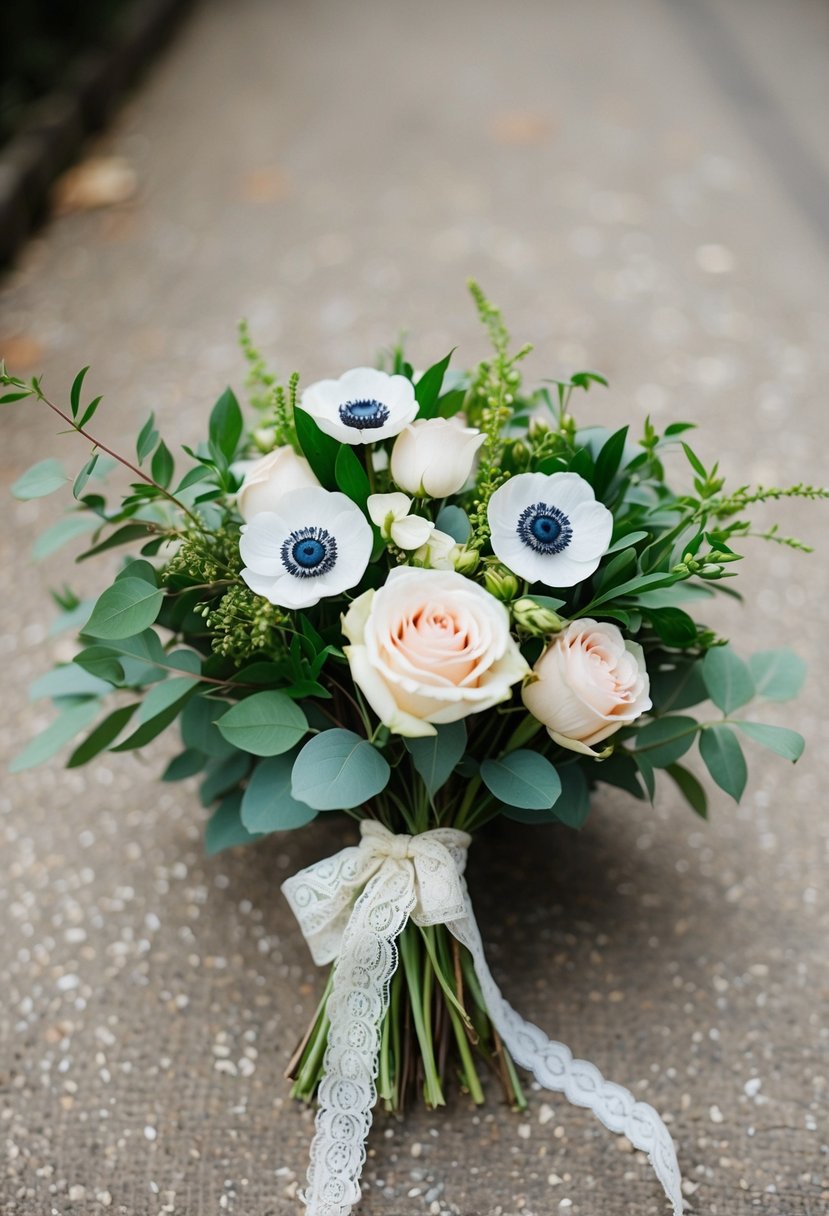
x=351 y=908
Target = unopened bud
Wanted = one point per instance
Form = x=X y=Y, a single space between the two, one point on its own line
x=501 y=583
x=265 y=438
x=534 y=618
x=466 y=562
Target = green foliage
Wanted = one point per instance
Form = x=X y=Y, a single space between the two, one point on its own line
x=522 y=779
x=778 y=674
x=787 y=743
x=41 y=479
x=435 y=757
x=724 y=759
x=268 y=804
x=727 y=678
x=266 y=724
x=225 y=829
x=127 y=607
x=319 y=449
x=428 y=387
x=338 y=770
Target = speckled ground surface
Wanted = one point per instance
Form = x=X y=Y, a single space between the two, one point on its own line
x=643 y=188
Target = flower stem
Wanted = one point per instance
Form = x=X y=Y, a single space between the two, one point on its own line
x=409 y=954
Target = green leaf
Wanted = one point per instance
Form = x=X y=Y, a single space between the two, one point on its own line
x=147 y=439
x=225 y=828
x=70 y=723
x=620 y=770
x=226 y=424
x=192 y=477
x=199 y=731
x=690 y=788
x=139 y=569
x=673 y=626
x=727 y=678
x=724 y=759
x=694 y=461
x=626 y=541
x=223 y=776
x=266 y=724
x=101 y=662
x=69 y=680
x=66 y=529
x=454 y=521
x=124 y=609
x=608 y=461
x=639 y=583
x=41 y=479
x=75 y=391
x=351 y=477
x=666 y=740
x=573 y=806
x=185 y=764
x=89 y=412
x=161 y=706
x=778 y=674
x=337 y=770
x=268 y=804
x=162 y=465
x=435 y=756
x=83 y=477
x=427 y=389
x=121 y=536
x=523 y=779
x=101 y=737
x=787 y=743
x=319 y=449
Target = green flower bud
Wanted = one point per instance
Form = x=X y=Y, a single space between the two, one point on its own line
x=501 y=583
x=534 y=618
x=466 y=562
x=265 y=438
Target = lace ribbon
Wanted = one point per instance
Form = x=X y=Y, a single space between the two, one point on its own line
x=351 y=908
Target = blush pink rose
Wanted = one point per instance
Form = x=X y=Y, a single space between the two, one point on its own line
x=590 y=681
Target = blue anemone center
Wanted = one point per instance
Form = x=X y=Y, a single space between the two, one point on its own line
x=309 y=552
x=544 y=528
x=365 y=414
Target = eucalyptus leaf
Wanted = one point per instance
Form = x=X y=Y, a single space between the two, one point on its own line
x=573 y=805
x=266 y=724
x=60 y=533
x=199 y=730
x=787 y=743
x=522 y=778
x=690 y=788
x=68 y=680
x=41 y=479
x=724 y=759
x=337 y=770
x=778 y=674
x=124 y=609
x=727 y=678
x=435 y=756
x=70 y=723
x=185 y=764
x=268 y=804
x=100 y=738
x=454 y=521
x=223 y=775
x=224 y=828
x=666 y=740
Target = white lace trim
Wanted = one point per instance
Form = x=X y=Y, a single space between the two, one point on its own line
x=352 y=907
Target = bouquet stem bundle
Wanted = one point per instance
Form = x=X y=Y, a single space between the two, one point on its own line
x=436 y=1031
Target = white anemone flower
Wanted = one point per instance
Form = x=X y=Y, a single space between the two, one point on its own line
x=548 y=528
x=314 y=544
x=363 y=406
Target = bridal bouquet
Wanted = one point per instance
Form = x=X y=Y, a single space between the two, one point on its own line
x=423 y=600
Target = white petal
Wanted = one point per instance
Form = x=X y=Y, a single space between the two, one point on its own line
x=381 y=506
x=592 y=528
x=260 y=544
x=411 y=532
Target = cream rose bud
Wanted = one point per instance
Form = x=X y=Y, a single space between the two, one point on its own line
x=590 y=682
x=440 y=552
x=430 y=647
x=434 y=456
x=271 y=478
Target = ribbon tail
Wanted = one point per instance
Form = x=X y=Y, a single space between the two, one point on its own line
x=554 y=1068
x=366 y=963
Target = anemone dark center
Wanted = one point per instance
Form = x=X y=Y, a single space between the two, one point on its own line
x=365 y=414
x=309 y=552
x=544 y=528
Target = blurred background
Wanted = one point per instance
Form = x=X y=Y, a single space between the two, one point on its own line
x=644 y=189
